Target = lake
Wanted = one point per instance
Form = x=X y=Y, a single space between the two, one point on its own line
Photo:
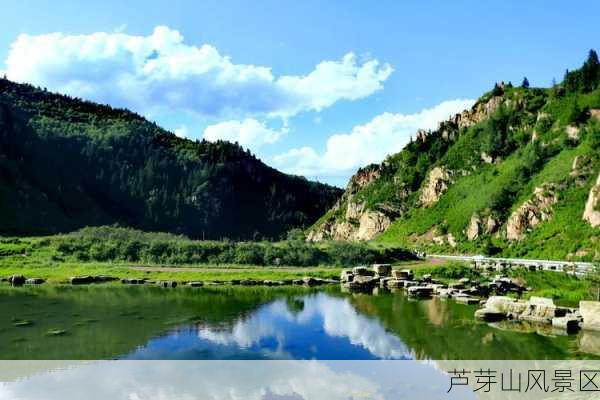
x=259 y=323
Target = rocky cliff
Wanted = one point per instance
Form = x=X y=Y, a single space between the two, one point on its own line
x=592 y=206
x=517 y=174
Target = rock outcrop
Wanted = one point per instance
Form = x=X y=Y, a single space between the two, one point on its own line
x=371 y=224
x=532 y=212
x=592 y=206
x=361 y=224
x=352 y=218
x=437 y=184
x=481 y=225
x=572 y=132
x=474 y=228
x=478 y=113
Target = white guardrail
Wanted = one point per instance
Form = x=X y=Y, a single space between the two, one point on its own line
x=577 y=267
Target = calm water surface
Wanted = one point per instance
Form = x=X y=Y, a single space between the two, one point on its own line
x=107 y=322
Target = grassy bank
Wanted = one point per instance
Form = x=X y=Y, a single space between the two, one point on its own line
x=61 y=272
x=123 y=245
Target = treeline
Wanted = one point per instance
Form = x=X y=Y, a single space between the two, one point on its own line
x=68 y=163
x=109 y=244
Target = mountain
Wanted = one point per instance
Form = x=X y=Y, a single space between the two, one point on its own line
x=67 y=163
x=517 y=175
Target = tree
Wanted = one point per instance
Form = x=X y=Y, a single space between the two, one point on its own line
x=525 y=84
x=497 y=91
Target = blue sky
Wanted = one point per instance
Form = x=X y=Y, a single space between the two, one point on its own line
x=314 y=88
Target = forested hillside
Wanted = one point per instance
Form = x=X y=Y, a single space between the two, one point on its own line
x=67 y=163
x=517 y=175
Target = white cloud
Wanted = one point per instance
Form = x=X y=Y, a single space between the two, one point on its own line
x=160 y=71
x=369 y=143
x=181 y=131
x=340 y=319
x=249 y=133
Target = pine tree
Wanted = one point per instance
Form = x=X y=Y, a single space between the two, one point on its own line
x=525 y=84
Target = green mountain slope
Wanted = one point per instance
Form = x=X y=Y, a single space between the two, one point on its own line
x=516 y=175
x=67 y=163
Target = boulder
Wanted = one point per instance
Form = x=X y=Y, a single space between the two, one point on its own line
x=384 y=281
x=539 y=309
x=167 y=284
x=590 y=312
x=395 y=283
x=362 y=271
x=403 y=274
x=366 y=280
x=133 y=281
x=382 y=269
x=408 y=284
x=489 y=315
x=466 y=299
x=346 y=275
x=567 y=323
x=34 y=281
x=17 y=280
x=310 y=281
x=420 y=291
x=104 y=278
x=589 y=342
x=81 y=280
x=456 y=285
x=499 y=304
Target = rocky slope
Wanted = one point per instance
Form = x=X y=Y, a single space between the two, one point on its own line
x=516 y=175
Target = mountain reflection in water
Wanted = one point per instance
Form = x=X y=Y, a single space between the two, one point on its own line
x=238 y=323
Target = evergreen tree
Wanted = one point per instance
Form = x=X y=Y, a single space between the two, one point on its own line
x=525 y=84
x=497 y=91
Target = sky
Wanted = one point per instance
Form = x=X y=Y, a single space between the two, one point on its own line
x=312 y=88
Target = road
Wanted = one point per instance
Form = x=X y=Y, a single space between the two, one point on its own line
x=578 y=267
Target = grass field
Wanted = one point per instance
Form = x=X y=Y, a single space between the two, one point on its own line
x=61 y=272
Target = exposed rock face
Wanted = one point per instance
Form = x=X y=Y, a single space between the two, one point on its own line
x=358 y=222
x=572 y=132
x=478 y=113
x=474 y=229
x=437 y=184
x=491 y=225
x=372 y=223
x=363 y=177
x=486 y=158
x=480 y=225
x=443 y=239
x=369 y=222
x=592 y=206
x=532 y=212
